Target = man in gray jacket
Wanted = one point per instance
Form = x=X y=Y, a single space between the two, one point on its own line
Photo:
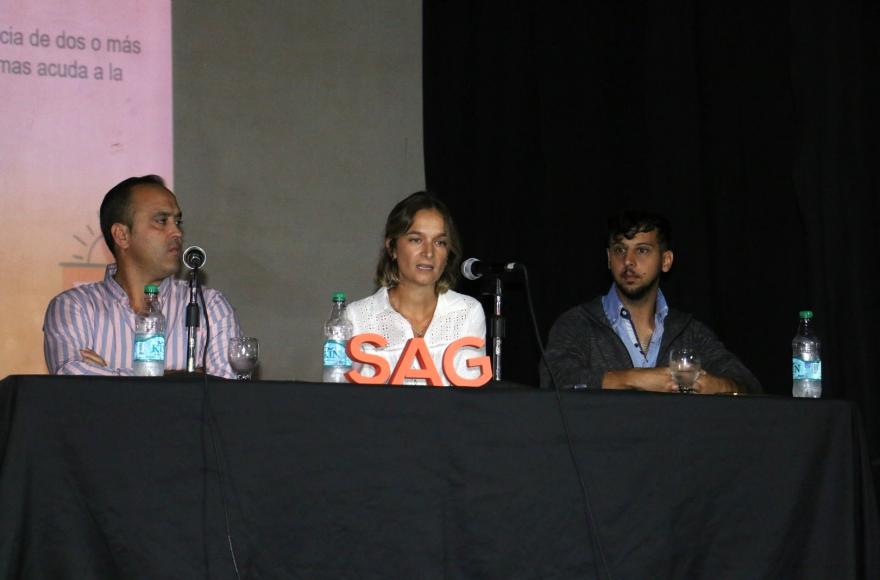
x=622 y=340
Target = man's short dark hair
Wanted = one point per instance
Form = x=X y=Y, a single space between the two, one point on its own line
x=116 y=207
x=628 y=223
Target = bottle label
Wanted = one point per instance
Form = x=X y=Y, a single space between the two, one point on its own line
x=149 y=349
x=334 y=354
x=806 y=369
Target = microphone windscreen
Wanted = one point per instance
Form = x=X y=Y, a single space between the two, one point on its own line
x=194 y=257
x=467 y=269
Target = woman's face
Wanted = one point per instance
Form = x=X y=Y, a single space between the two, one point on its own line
x=422 y=251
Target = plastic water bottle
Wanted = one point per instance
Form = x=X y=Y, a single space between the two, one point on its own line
x=337 y=333
x=806 y=362
x=149 y=336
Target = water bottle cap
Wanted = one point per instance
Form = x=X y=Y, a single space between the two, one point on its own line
x=806 y=314
x=339 y=297
x=151 y=289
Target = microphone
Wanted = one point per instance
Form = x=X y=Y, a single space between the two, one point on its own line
x=473 y=268
x=194 y=257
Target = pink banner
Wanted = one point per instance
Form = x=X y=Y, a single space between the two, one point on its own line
x=85 y=87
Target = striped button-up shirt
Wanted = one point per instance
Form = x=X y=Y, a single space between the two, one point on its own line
x=99 y=317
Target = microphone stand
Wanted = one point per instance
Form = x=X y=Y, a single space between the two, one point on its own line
x=497 y=331
x=192 y=320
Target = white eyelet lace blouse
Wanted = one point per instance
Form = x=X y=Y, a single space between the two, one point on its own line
x=456 y=316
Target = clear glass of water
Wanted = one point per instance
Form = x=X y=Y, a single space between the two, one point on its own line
x=684 y=364
x=244 y=352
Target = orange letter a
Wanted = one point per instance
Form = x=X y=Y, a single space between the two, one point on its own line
x=416 y=349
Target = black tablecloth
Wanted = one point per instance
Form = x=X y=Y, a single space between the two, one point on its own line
x=116 y=478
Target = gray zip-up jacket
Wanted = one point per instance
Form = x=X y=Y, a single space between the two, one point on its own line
x=583 y=346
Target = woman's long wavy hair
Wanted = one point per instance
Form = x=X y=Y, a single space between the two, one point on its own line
x=399 y=223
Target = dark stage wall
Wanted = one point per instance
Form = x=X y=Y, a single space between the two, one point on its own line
x=752 y=125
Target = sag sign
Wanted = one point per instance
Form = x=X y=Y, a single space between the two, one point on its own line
x=416 y=350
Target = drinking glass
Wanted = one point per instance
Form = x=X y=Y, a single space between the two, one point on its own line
x=684 y=364
x=243 y=356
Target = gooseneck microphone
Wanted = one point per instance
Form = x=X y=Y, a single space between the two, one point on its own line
x=193 y=258
x=473 y=268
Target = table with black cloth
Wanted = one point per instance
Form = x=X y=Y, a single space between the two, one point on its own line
x=118 y=478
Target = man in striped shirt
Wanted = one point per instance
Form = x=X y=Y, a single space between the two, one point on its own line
x=89 y=330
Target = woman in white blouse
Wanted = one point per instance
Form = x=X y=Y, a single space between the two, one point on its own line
x=417 y=267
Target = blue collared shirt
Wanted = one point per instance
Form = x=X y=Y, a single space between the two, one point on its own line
x=619 y=318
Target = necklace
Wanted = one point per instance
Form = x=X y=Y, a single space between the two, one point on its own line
x=418 y=330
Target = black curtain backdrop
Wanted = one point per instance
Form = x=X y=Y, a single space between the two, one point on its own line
x=752 y=125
